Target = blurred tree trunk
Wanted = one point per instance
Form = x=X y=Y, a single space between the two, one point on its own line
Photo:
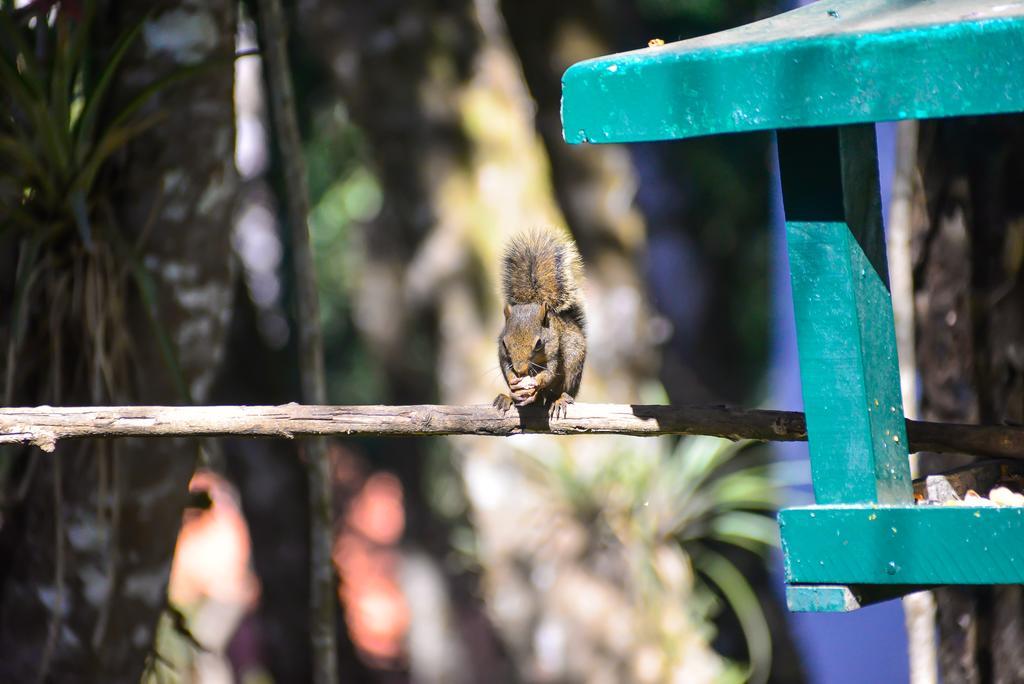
x=441 y=91
x=595 y=185
x=86 y=554
x=438 y=89
x=548 y=38
x=272 y=485
x=398 y=68
x=691 y=214
x=969 y=252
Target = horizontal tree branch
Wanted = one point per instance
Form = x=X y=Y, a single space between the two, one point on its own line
x=43 y=426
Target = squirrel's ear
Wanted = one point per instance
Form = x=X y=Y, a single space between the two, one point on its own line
x=508 y=311
x=543 y=313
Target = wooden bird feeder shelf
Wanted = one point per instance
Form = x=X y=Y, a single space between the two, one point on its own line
x=821 y=76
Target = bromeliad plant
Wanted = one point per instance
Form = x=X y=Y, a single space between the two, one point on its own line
x=64 y=333
x=59 y=127
x=56 y=131
x=53 y=144
x=62 y=315
x=681 y=517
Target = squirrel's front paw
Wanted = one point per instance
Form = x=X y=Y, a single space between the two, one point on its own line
x=524 y=392
x=524 y=397
x=502 y=402
x=560 y=406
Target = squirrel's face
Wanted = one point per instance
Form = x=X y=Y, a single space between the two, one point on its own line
x=525 y=337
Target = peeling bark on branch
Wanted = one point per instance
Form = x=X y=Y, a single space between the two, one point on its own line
x=44 y=425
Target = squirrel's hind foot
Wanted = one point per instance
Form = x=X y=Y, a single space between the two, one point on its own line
x=560 y=406
x=502 y=402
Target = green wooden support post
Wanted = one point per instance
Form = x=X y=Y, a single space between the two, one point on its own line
x=845 y=334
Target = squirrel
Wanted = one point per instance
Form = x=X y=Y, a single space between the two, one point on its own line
x=543 y=345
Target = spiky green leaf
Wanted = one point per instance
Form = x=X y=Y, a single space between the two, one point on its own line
x=744 y=603
x=80 y=211
x=85 y=127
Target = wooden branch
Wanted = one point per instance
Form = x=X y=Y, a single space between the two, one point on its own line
x=44 y=425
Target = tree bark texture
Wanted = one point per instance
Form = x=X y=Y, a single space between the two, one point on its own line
x=86 y=553
x=399 y=69
x=272 y=483
x=969 y=300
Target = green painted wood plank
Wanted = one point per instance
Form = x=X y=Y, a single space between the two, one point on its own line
x=919 y=545
x=845 y=336
x=840 y=598
x=828 y=63
x=820 y=598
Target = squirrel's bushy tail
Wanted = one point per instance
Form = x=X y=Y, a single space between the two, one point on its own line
x=542 y=266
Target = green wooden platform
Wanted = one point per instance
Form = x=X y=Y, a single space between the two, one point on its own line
x=849 y=61
x=916 y=545
x=821 y=76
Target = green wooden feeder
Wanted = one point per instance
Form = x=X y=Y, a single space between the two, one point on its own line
x=821 y=76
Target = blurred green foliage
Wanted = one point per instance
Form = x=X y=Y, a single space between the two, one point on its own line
x=59 y=128
x=56 y=128
x=695 y=504
x=674 y=512
x=343 y=192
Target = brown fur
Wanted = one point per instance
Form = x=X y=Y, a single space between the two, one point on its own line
x=542 y=267
x=544 y=335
